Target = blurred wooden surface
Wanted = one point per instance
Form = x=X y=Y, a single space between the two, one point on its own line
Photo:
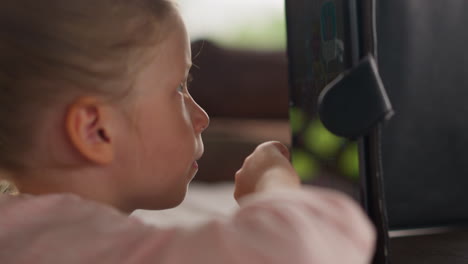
x=446 y=248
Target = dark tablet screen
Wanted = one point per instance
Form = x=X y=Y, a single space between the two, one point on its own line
x=321 y=45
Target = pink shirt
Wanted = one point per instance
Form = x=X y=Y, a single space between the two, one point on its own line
x=308 y=226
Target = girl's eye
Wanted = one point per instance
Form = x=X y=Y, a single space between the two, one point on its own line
x=184 y=85
x=180 y=88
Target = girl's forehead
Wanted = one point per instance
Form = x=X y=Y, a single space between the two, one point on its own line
x=171 y=61
x=182 y=39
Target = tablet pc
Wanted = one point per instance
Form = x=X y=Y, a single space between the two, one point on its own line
x=322 y=43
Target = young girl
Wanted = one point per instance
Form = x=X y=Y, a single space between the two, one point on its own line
x=96 y=121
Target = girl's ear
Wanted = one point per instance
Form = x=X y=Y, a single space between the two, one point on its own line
x=88 y=127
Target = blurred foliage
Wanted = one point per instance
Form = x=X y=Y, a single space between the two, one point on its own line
x=296 y=119
x=321 y=141
x=267 y=34
x=348 y=163
x=305 y=164
x=316 y=148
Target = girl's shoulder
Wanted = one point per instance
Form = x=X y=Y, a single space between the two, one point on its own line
x=62 y=209
x=45 y=205
x=63 y=228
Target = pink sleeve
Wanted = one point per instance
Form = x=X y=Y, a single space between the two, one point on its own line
x=309 y=226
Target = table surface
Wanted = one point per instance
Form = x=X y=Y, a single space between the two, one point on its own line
x=446 y=248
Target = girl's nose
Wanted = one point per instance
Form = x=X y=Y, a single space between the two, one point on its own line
x=200 y=118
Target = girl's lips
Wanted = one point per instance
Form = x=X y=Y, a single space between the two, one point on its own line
x=195 y=165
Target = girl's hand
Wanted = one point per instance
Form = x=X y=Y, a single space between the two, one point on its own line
x=267 y=168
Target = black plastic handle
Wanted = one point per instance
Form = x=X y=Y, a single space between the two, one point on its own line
x=355 y=101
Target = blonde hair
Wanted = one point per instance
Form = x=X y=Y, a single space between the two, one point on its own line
x=50 y=49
